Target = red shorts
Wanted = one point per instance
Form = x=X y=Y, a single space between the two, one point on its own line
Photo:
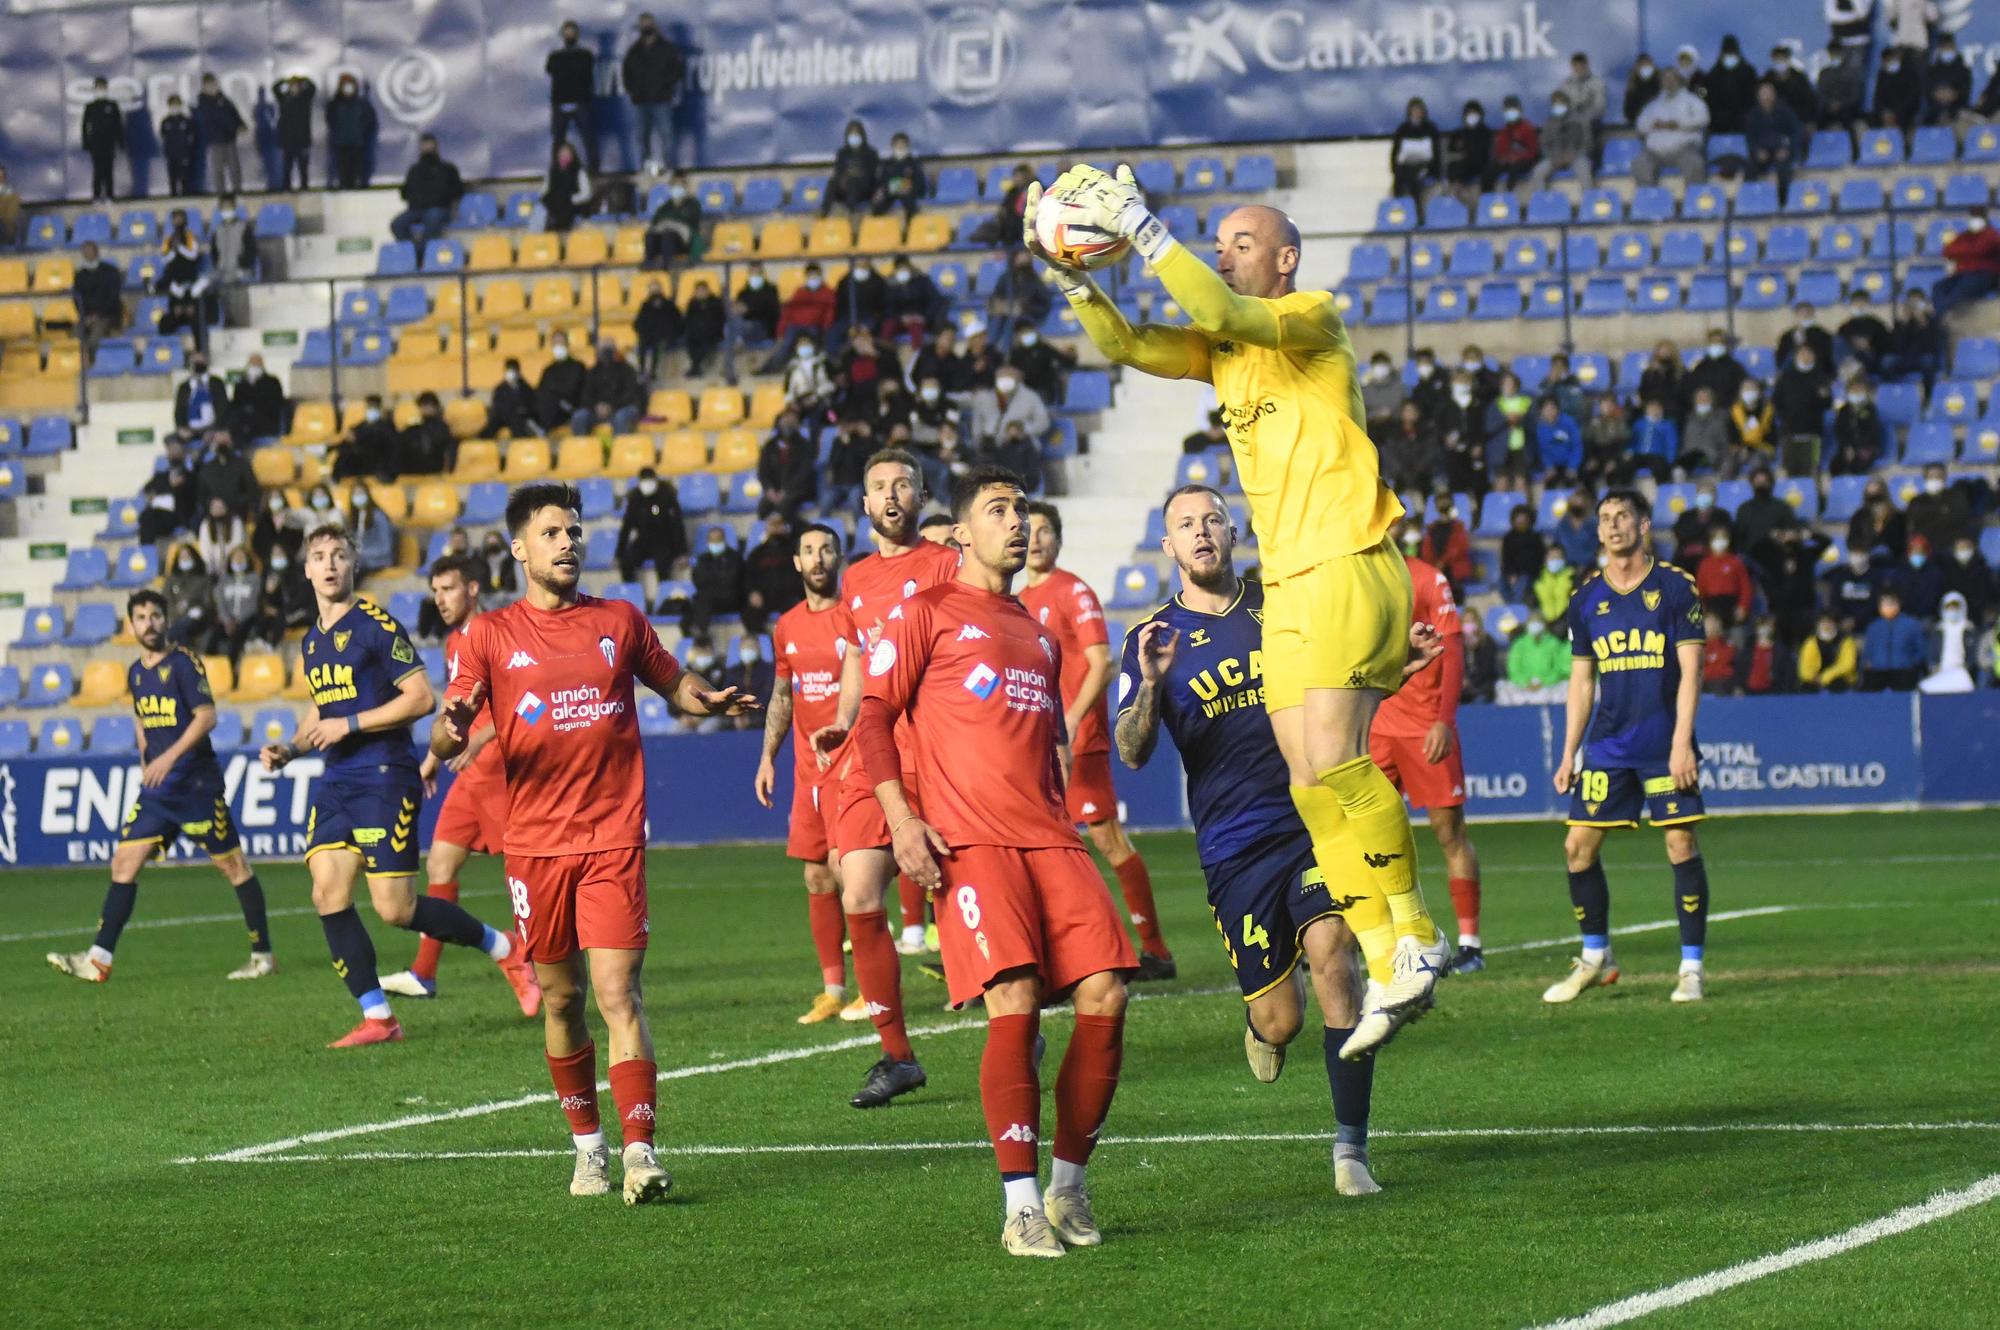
x=857 y=822
x=594 y=900
x=1090 y=798
x=474 y=815
x=1048 y=910
x=1429 y=785
x=810 y=833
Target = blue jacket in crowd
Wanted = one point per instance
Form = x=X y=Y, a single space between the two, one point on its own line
x=1656 y=438
x=1894 y=644
x=1559 y=442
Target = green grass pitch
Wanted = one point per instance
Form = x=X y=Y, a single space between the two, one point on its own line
x=1861 y=989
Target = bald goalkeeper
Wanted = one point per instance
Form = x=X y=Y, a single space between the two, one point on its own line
x=1337 y=593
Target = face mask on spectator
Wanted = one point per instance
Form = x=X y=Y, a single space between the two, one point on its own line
x=902 y=274
x=1948 y=55
x=1704 y=408
x=1704 y=500
x=1858 y=396
x=1892 y=64
x=1645 y=69
x=1750 y=395
x=1425 y=369
x=322 y=502
x=513 y=376
x=677 y=192
x=1511 y=114
x=253 y=372
x=1933 y=484
x=1975 y=224
x=1766 y=634
x=747 y=653
x=1378 y=370
x=559 y=351
x=1473 y=119
x=1963 y=553
x=807 y=350
x=700 y=661
x=185 y=563
x=755 y=281
x=1719 y=544
x=648 y=487
x=228 y=214
x=853 y=140
x=372 y=414
x=1857 y=563
x=1535 y=628
x=1006 y=383
x=929 y=393
x=1918 y=558
x=1717 y=350
x=1030 y=338
x=1555 y=563
x=1731 y=61
x=360 y=499
x=1472 y=364
x=1559 y=107
x=277 y=504
x=1828 y=632
x=814 y=281
x=239 y=564
x=717 y=546
x=1805 y=363
x=1462 y=395
x=279 y=563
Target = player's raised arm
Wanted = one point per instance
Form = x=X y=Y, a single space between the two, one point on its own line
x=1149 y=650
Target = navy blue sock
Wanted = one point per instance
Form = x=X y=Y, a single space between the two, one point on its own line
x=119 y=899
x=1352 y=1083
x=353 y=956
x=250 y=895
x=1691 y=906
x=446 y=921
x=1590 y=895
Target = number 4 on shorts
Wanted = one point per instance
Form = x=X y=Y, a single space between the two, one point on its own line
x=1254 y=935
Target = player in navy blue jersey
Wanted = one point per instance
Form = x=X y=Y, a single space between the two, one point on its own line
x=180 y=794
x=1195 y=667
x=1635 y=632
x=368 y=688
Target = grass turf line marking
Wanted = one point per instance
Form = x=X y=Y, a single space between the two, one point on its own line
x=1941 y=1206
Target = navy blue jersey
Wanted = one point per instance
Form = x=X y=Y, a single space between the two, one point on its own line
x=1211 y=702
x=353 y=667
x=1633 y=637
x=164 y=699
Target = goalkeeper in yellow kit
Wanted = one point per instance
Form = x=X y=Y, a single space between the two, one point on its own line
x=1337 y=593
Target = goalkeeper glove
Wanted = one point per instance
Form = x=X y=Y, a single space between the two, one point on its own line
x=1115 y=204
x=1069 y=280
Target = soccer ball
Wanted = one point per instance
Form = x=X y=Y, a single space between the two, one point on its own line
x=1074 y=243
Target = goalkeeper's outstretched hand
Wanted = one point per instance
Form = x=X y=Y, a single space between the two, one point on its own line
x=1112 y=203
x=1032 y=202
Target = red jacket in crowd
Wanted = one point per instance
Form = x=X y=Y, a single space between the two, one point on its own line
x=1725 y=577
x=1975 y=251
x=807 y=309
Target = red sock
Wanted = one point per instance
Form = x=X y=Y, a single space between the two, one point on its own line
x=1136 y=884
x=912 y=897
x=1011 y=1093
x=425 y=966
x=829 y=929
x=1084 y=1086
x=878 y=972
x=635 y=1087
x=576 y=1087
x=1465 y=902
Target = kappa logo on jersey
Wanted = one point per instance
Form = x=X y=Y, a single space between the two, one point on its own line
x=972 y=633
x=981 y=682
x=791 y=648
x=1088 y=809
x=531 y=708
x=609 y=650
x=520 y=660
x=857 y=603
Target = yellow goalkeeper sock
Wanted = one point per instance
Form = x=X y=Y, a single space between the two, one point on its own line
x=1367 y=913
x=1379 y=826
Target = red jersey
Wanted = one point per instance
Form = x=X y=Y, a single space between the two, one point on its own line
x=870 y=587
x=977 y=678
x=1068 y=608
x=567 y=727
x=486 y=767
x=811 y=645
x=1422 y=702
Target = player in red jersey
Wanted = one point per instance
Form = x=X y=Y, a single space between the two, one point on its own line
x=1023 y=917
x=559 y=667
x=474 y=815
x=1415 y=742
x=811 y=641
x=1069 y=609
x=903 y=564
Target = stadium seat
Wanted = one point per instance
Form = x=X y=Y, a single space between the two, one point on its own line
x=1830 y=150
x=1471 y=258
x=1786 y=243
x=1368 y=263
x=1390 y=305
x=1592 y=370
x=720 y=408
x=1446 y=213
x=485 y=502
x=1682 y=248
x=701 y=492
x=444 y=255
x=1496 y=514
x=1838 y=242
x=1953 y=401
x=260 y=675
x=526 y=459
x=1088 y=390
x=1966 y=191
x=743 y=493
x=1740 y=245
x=1843 y=497
x=101 y=684
x=113 y=358
x=1880 y=147
x=1548 y=300
x=1524 y=256
x=1443 y=303
x=1393 y=215
x=1135 y=587
x=61 y=736
x=96 y=623
x=272 y=725
x=1499 y=300
x=1629 y=252
x=1497 y=210
x=1756 y=198
x=1930 y=441
x=1600 y=206
x=1899 y=403
x=1253 y=173
x=735 y=451
x=1802 y=493
x=397 y=258
x=41 y=626
x=1982 y=144
x=48 y=435
x=1582 y=253
x=1914 y=193
x=1656 y=295
x=1818 y=286
x=134 y=566
x=1933 y=145
x=1974 y=358
x=1548 y=207
x=1426 y=259
x=48 y=686
x=1650 y=203
x=1603 y=296
x=87 y=568
x=1204 y=175
x=15 y=740
x=1703 y=203
x=1764 y=290
x=1982 y=440
x=1808 y=197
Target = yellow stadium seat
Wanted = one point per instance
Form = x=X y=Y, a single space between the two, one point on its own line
x=404 y=414
x=683 y=452
x=642 y=289
x=735 y=450
x=436 y=503
x=579 y=456
x=587 y=248
x=295 y=690
x=527 y=459
x=447 y=304
x=17 y=321
x=607 y=290
x=55 y=274
x=274 y=466
x=540 y=249
x=781 y=239
x=13 y=277
x=102 y=683
x=671 y=408
x=720 y=408
x=391 y=501
x=766 y=401
x=491 y=252
x=552 y=298
x=478 y=459
x=65 y=361
x=880 y=235
x=830 y=235
x=629 y=246
x=221 y=675
x=504 y=302
x=57 y=313
x=629 y=452
x=416 y=343
x=312 y=422
x=260 y=676
x=437 y=374
x=929 y=233
x=311 y=470
x=621 y=335
x=466 y=416
x=691 y=278
x=522 y=341
x=730 y=240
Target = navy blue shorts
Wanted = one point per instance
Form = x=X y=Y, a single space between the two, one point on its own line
x=1262 y=899
x=377 y=821
x=201 y=816
x=1614 y=798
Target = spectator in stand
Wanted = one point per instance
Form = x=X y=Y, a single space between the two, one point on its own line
x=611 y=394
x=565 y=190
x=1516 y=145
x=912 y=303
x=510 y=414
x=1920 y=581
x=1693 y=527
x=1893 y=649
x=220 y=124
x=1987 y=108
x=1510 y=436
x=770 y=582
x=1787 y=565
x=1800 y=399
x=1018 y=451
x=294 y=94
x=1851 y=30
x=1732 y=88
x=1763 y=513
x=1567 y=390
x=702 y=659
x=220 y=532
x=201 y=399
x=1705 y=438
x=1461 y=428
x=852 y=448
x=860 y=299
x=787 y=468
x=177 y=148
x=1975 y=265
x=1916 y=343
x=1522 y=555
x=1212 y=437
x=807 y=312
x=1656 y=441
x=1415 y=155
x=498 y=563
x=855 y=371
x=1854 y=588
x=1482 y=663
x=1718 y=371
x=757 y=304
x=1642 y=84
x=1967 y=574
x=1382 y=393
x=1412 y=454
x=1587 y=95
x=1864 y=336
x=856 y=173
x=1755 y=427
x=98 y=290
x=369 y=448
x=1840 y=89
x=1672 y=129
x=1447 y=545
x=572 y=71
x=190 y=599
x=1794 y=89
x=1664 y=380
x=1877 y=523
x=1940 y=514
x=1020 y=294
x=1553 y=586
x=257 y=407
x=902 y=185
x=1860 y=435
x=1044 y=366
x=675 y=227
x=431 y=189
x=1565 y=145
x=1688 y=61
x=1899 y=89
x=1576 y=532
x=809 y=387
x=1008 y=402
x=653 y=530
x=1432 y=390
x=103 y=139
x=1606 y=440
x=1806 y=331
x=238 y=601
x=232 y=250
x=1772 y=133
x=1537 y=665
x=654 y=70
x=1468 y=156
x=980 y=362
x=559 y=395
x=427 y=446
x=374 y=534
x=718 y=581
x=169 y=495
x=1947 y=649
x=350 y=129
x=1718 y=661
x=1005 y=225
x=657 y=325
x=280 y=529
x=1724 y=582
x=705 y=321
x=1558 y=443
x=1947 y=84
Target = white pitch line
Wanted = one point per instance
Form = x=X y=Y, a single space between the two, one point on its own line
x=1658 y=925
x=189 y=920
x=1941 y=1206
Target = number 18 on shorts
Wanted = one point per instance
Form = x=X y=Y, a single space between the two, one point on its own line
x=591 y=902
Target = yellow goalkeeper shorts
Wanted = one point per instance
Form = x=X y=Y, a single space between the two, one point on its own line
x=1342 y=623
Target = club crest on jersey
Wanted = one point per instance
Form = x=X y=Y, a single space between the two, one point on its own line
x=981 y=682
x=341 y=639
x=1047 y=650
x=609 y=650
x=1652 y=599
x=840 y=648
x=531 y=708
x=883 y=658
x=165 y=672
x=1044 y=614
x=909 y=588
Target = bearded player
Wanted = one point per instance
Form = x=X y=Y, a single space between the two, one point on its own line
x=1065 y=605
x=1415 y=742
x=1024 y=919
x=558 y=667
x=474 y=816
x=1337 y=595
x=811 y=640
x=903 y=564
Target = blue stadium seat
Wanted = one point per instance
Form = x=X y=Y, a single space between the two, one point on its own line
x=1830 y=150
x=766 y=193
x=1395 y=216
x=396 y=258
x=1982 y=144
x=1982 y=440
x=137 y=227
x=1531 y=368
x=1901 y=243
x=10 y=685
x=121 y=520
x=114 y=734
x=1682 y=248
x=1819 y=287
x=405 y=606
x=13 y=480
x=1808 y=197
x=228 y=736
x=1471 y=257
x=270 y=725
x=1426 y=259
x=717 y=196
x=1900 y=403
x=1600 y=206
x=12 y=436
x=954 y=187
x=134 y=566
x=1630 y=251
x=48 y=686
x=1838 y=242
x=360 y=306
x=162 y=355
x=1786 y=243
x=406 y=304
x=1135 y=587
x=1761 y=361
x=14 y=738
x=1548 y=300
x=1446 y=213
x=1930 y=441
x=1933 y=145
x=1603 y=296
x=147 y=312
x=1524 y=256
x=316 y=352
x=1923 y=276
x=1726 y=145
x=60 y=736
x=1632 y=366
x=1501 y=620
x=1582 y=253
x=1204 y=175
x=41 y=626
x=1656 y=295
x=92 y=227
x=1802 y=493
x=1497 y=210
x=1088 y=390
x=1764 y=290
x=1976 y=358
x=275 y=221
x=88 y=568
x=1498 y=300
x=96 y=622
x=1914 y=193
x=1201 y=468
x=1180 y=220
x=1368 y=263
x=1548 y=207
x=1445 y=302
x=1063 y=440
x=1704 y=203
x=1253 y=173
x=1756 y=198
x=521 y=208
x=1880 y=147
x=700 y=492
x=114 y=358
x=809 y=191
x=1620 y=151
x=49 y=435
x=1954 y=401
x=44 y=231
x=1843 y=497
x=368 y=346
x=1156 y=175
x=444 y=255
x=485 y=503
x=1966 y=191
x=1650 y=203
x=1495 y=514
x=1592 y=370
x=1390 y=305
x=600 y=500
